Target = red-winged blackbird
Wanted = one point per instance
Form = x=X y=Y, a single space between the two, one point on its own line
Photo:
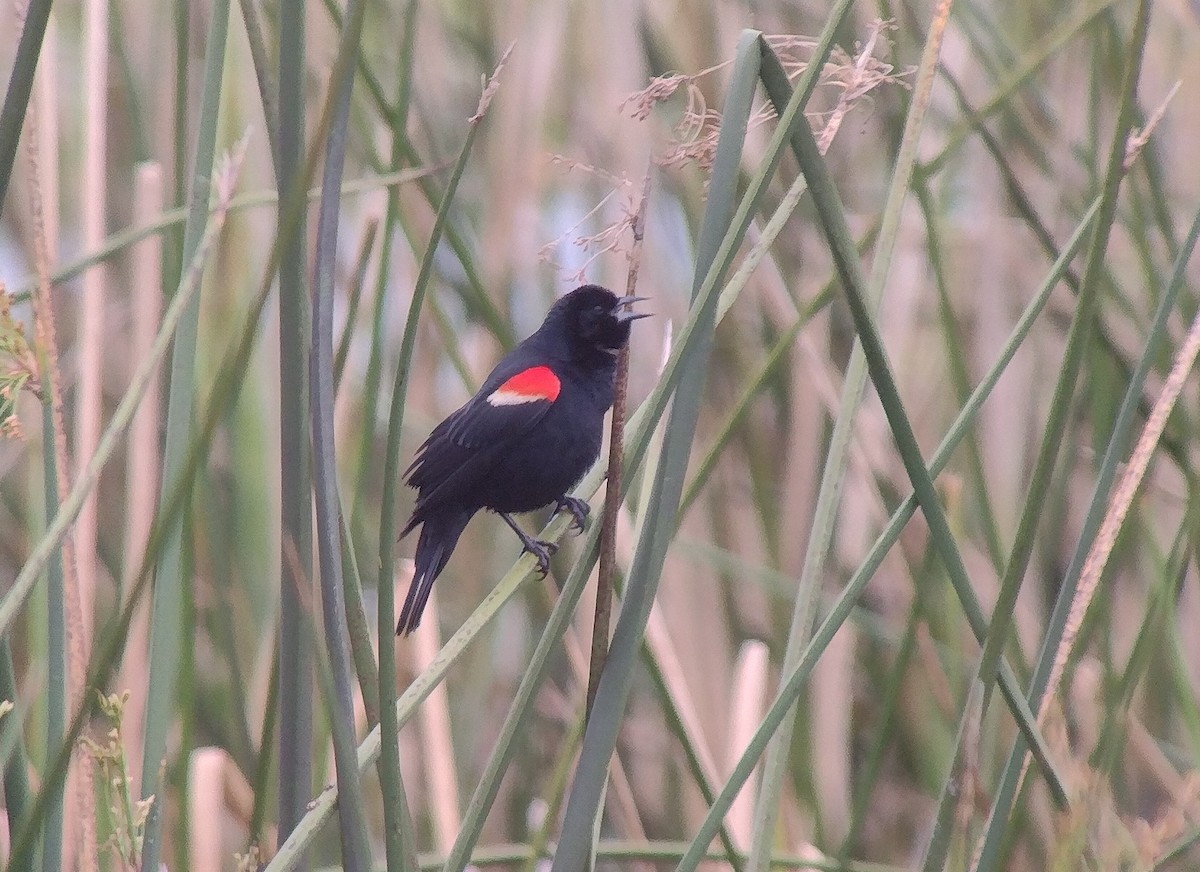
x=524 y=440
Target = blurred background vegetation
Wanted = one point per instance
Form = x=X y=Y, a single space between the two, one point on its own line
x=900 y=757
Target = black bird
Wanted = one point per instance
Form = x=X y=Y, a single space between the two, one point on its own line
x=524 y=440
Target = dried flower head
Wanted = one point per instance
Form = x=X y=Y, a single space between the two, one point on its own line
x=852 y=78
x=660 y=89
x=128 y=816
x=694 y=137
x=490 y=84
x=1138 y=137
x=618 y=204
x=247 y=862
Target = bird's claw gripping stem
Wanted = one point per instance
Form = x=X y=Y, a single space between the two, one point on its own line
x=578 y=510
x=542 y=551
x=539 y=548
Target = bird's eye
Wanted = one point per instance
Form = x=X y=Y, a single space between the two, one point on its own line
x=597 y=310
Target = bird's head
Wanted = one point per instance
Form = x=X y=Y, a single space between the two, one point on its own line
x=596 y=319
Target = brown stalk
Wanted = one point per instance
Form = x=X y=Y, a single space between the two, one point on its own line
x=612 y=498
x=50 y=378
x=1119 y=503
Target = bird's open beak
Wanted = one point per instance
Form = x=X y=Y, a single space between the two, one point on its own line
x=623 y=315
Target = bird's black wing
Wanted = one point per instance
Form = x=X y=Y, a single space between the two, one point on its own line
x=509 y=405
x=507 y=411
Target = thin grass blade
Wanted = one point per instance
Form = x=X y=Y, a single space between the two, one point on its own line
x=295 y=680
x=20 y=86
x=356 y=850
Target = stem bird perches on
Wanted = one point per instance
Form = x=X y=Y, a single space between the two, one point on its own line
x=612 y=499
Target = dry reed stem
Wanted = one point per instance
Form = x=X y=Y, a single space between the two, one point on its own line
x=745 y=710
x=658 y=638
x=217 y=789
x=57 y=535
x=91 y=332
x=46 y=134
x=1119 y=503
x=612 y=490
x=142 y=456
x=82 y=811
x=832 y=773
x=438 y=759
x=304 y=591
x=622 y=793
x=1131 y=479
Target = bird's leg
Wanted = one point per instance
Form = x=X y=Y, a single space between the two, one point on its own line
x=577 y=508
x=539 y=549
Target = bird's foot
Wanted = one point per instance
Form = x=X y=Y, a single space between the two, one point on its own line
x=542 y=551
x=577 y=508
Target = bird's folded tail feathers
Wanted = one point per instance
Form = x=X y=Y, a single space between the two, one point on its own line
x=439 y=535
x=409 y=527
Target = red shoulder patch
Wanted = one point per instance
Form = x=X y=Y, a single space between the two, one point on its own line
x=527 y=386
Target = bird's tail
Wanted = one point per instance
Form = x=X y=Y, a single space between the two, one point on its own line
x=439 y=534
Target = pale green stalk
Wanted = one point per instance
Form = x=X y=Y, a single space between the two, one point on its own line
x=166 y=623
x=356 y=849
x=294 y=693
